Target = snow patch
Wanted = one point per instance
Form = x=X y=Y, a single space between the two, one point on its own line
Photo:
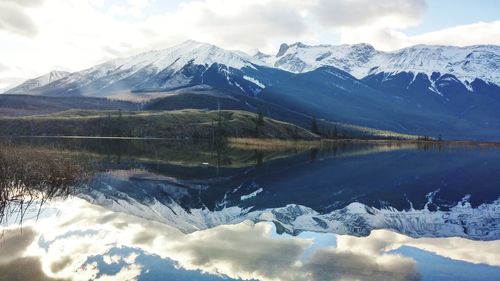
x=254 y=81
x=361 y=60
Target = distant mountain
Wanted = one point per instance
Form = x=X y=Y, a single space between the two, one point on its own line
x=188 y=64
x=424 y=90
x=466 y=64
x=38 y=82
x=194 y=63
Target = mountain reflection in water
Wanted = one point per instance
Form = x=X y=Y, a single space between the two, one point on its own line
x=154 y=210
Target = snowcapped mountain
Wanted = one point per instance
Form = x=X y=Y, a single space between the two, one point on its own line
x=361 y=60
x=175 y=58
x=301 y=58
x=424 y=90
x=193 y=63
x=188 y=64
x=430 y=83
x=38 y=82
x=172 y=60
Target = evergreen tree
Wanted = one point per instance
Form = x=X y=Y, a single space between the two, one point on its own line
x=260 y=119
x=109 y=126
x=259 y=122
x=120 y=122
x=314 y=126
x=219 y=133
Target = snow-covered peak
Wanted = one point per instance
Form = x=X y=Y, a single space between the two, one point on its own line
x=259 y=55
x=190 y=51
x=466 y=63
x=52 y=76
x=38 y=82
x=283 y=49
x=360 y=60
x=300 y=57
x=161 y=69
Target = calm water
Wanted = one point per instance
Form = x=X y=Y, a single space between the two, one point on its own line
x=156 y=210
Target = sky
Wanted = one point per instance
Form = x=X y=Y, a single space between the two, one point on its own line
x=38 y=36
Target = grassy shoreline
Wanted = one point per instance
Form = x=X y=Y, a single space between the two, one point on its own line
x=185 y=124
x=265 y=144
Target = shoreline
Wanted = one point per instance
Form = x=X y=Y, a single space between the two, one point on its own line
x=250 y=143
x=263 y=143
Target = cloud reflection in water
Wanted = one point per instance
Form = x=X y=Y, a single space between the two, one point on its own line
x=87 y=242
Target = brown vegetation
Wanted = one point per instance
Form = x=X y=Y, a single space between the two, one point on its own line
x=182 y=124
x=29 y=175
x=271 y=144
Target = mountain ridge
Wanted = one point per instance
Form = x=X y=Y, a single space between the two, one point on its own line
x=37 y=82
x=363 y=59
x=351 y=58
x=406 y=93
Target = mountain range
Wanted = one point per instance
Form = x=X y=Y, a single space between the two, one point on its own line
x=423 y=90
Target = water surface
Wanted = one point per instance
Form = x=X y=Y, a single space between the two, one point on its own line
x=157 y=210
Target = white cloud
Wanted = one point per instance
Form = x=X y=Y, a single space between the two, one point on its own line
x=79 y=34
x=485 y=252
x=462 y=35
x=334 y=264
x=390 y=39
x=364 y=13
x=130 y=8
x=37 y=36
x=246 y=251
x=8 y=82
x=14 y=243
x=13 y=17
x=381 y=39
x=245 y=24
x=3 y=68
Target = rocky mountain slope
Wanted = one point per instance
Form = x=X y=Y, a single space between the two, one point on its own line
x=422 y=90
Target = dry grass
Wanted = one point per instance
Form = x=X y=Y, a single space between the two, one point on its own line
x=271 y=144
x=29 y=175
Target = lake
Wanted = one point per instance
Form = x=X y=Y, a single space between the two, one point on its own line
x=176 y=210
